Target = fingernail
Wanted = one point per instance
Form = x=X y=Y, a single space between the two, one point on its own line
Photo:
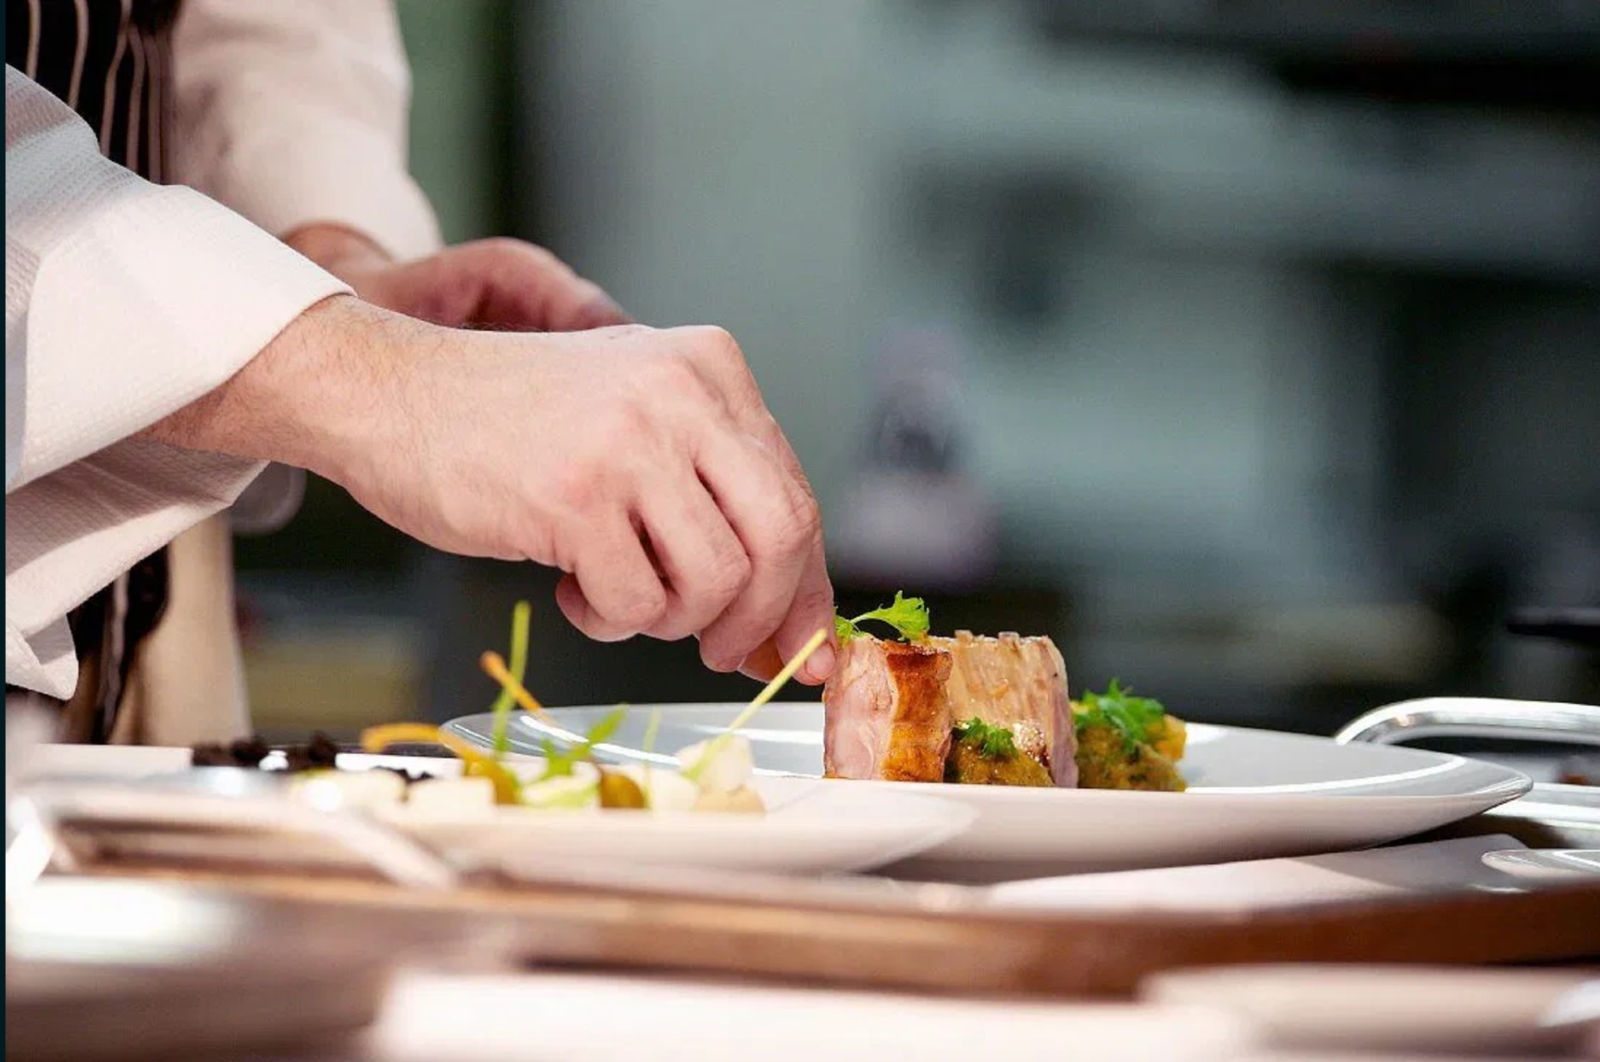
x=819 y=665
x=721 y=665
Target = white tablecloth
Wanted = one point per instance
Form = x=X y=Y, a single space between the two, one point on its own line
x=543 y=1017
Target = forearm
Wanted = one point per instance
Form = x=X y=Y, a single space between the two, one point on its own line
x=315 y=397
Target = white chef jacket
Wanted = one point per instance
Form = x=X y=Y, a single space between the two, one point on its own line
x=125 y=301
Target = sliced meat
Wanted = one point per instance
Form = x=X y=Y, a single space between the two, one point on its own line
x=887 y=714
x=1019 y=683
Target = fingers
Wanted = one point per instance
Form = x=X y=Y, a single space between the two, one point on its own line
x=763 y=664
x=614 y=592
x=718 y=357
x=600 y=311
x=527 y=288
x=730 y=549
x=810 y=610
x=702 y=558
x=778 y=525
x=494 y=284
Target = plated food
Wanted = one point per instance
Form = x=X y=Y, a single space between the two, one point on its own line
x=964 y=709
x=566 y=781
x=996 y=732
x=709 y=776
x=980 y=710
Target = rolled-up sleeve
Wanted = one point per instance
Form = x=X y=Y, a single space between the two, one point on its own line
x=294 y=112
x=124 y=303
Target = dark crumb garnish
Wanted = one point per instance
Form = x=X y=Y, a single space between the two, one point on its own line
x=250 y=751
x=211 y=756
x=246 y=752
x=320 y=753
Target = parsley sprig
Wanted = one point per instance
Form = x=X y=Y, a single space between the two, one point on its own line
x=907 y=616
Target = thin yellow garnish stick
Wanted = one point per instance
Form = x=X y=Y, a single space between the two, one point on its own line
x=495 y=666
x=780 y=680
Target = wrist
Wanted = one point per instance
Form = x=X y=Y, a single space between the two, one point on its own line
x=314 y=397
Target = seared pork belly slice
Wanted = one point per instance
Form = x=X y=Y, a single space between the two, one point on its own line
x=887 y=715
x=1015 y=682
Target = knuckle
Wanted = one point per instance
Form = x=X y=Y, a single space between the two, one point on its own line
x=621 y=424
x=717 y=343
x=578 y=488
x=801 y=527
x=817 y=598
x=642 y=609
x=728 y=573
x=673 y=379
x=678 y=372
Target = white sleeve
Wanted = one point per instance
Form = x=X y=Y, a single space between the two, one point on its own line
x=124 y=302
x=296 y=111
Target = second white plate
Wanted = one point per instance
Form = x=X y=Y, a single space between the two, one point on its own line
x=809 y=828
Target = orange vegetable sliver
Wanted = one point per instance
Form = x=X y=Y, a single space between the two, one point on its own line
x=497 y=670
x=507 y=786
x=377 y=738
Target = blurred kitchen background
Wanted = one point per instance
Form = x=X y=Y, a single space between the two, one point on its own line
x=1251 y=349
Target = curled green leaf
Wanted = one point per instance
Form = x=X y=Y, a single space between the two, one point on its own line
x=906 y=616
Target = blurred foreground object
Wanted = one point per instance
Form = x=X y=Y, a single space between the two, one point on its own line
x=103 y=969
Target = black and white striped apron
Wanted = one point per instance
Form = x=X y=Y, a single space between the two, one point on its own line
x=111 y=61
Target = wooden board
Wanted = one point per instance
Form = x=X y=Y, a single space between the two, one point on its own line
x=846 y=935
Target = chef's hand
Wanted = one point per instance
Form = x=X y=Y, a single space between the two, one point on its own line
x=495 y=284
x=515 y=286
x=641 y=462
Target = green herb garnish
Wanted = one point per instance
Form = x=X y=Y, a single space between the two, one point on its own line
x=648 y=745
x=1135 y=718
x=991 y=742
x=520 y=614
x=560 y=762
x=908 y=616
